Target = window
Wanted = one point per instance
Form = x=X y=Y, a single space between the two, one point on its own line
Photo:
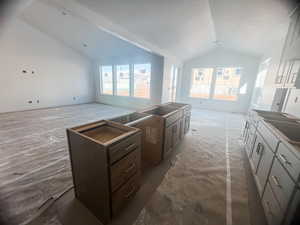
x=123 y=80
x=201 y=82
x=141 y=80
x=106 y=80
x=227 y=85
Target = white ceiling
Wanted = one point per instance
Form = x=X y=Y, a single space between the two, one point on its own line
x=75 y=32
x=181 y=28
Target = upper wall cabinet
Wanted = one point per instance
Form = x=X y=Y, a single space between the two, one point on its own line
x=290 y=59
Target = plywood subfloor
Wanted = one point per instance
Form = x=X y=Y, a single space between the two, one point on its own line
x=34 y=159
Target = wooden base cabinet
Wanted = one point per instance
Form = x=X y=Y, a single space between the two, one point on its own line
x=106 y=162
x=170 y=120
x=152 y=134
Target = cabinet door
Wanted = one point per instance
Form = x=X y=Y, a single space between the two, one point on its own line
x=264 y=167
x=176 y=133
x=257 y=153
x=168 y=140
x=187 y=123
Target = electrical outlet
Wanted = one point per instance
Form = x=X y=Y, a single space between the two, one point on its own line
x=30 y=102
x=74 y=98
x=38 y=101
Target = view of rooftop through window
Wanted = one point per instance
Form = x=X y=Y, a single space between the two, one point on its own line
x=123 y=80
x=201 y=82
x=107 y=80
x=141 y=78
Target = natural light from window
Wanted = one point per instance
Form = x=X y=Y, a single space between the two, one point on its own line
x=141 y=80
x=201 y=82
x=227 y=83
x=107 y=80
x=123 y=80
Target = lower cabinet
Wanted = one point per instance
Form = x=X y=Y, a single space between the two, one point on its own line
x=187 y=121
x=172 y=138
x=262 y=158
x=272 y=209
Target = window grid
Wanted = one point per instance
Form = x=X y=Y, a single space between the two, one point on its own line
x=219 y=83
x=119 y=84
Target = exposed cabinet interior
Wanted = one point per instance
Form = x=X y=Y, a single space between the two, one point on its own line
x=105 y=159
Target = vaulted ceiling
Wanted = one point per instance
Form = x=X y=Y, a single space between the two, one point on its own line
x=179 y=28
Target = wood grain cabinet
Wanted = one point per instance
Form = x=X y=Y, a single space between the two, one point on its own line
x=173 y=123
x=106 y=161
x=152 y=134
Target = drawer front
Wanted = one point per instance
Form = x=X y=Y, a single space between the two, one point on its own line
x=119 y=150
x=268 y=136
x=173 y=118
x=124 y=169
x=289 y=160
x=281 y=184
x=272 y=209
x=264 y=167
x=124 y=194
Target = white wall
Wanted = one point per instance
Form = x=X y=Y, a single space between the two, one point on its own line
x=221 y=58
x=61 y=75
x=157 y=69
x=168 y=64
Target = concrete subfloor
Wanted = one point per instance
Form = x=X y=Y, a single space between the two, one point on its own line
x=25 y=194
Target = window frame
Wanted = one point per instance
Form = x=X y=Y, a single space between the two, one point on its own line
x=213 y=82
x=101 y=79
x=131 y=80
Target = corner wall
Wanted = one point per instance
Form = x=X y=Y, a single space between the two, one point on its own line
x=221 y=58
x=61 y=76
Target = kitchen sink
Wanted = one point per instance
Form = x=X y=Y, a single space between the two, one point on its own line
x=290 y=130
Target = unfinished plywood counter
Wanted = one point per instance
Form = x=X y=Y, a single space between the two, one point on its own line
x=106 y=161
x=169 y=120
x=151 y=135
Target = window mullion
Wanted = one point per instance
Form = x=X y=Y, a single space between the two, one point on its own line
x=131 y=80
x=213 y=83
x=114 y=80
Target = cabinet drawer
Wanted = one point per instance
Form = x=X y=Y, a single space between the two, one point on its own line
x=122 y=196
x=122 y=170
x=268 y=136
x=289 y=160
x=281 y=184
x=173 y=118
x=122 y=148
x=272 y=210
